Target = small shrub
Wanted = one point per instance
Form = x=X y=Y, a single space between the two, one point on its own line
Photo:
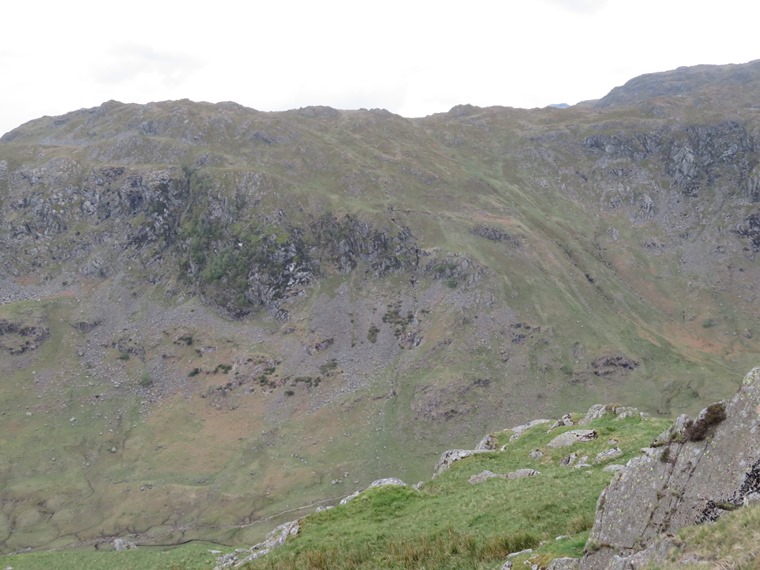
x=372 y=333
x=567 y=369
x=592 y=546
x=194 y=372
x=124 y=356
x=580 y=523
x=711 y=416
x=451 y=283
x=328 y=366
x=146 y=380
x=707 y=323
x=289 y=393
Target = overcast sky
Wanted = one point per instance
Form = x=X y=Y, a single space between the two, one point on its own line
x=412 y=57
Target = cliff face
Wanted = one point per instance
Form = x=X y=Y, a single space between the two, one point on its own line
x=693 y=473
x=369 y=284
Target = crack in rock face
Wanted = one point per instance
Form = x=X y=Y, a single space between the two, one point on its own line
x=746 y=494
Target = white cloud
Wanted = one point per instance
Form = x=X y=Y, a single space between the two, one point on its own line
x=414 y=58
x=583 y=6
x=127 y=63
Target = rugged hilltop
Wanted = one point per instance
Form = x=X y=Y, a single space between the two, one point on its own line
x=212 y=316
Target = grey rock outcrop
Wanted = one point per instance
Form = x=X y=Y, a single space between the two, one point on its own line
x=565 y=420
x=594 y=413
x=120 y=544
x=608 y=455
x=598 y=411
x=451 y=456
x=517 y=431
x=563 y=564
x=275 y=538
x=568 y=460
x=351 y=497
x=488 y=443
x=572 y=437
x=582 y=463
x=517 y=474
x=520 y=473
x=388 y=481
x=483 y=476
x=700 y=469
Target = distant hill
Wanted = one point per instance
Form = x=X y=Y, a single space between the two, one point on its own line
x=728 y=81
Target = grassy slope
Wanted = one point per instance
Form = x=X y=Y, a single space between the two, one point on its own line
x=449 y=523
x=189 y=557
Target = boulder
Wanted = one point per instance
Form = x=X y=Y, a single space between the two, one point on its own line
x=521 y=429
x=351 y=497
x=568 y=460
x=448 y=458
x=673 y=433
x=120 y=544
x=598 y=411
x=608 y=455
x=594 y=413
x=488 y=443
x=582 y=463
x=520 y=473
x=565 y=420
x=274 y=539
x=572 y=437
x=387 y=482
x=483 y=476
x=375 y=484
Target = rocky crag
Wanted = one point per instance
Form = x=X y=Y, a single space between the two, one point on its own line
x=699 y=469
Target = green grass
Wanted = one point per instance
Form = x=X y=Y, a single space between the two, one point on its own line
x=188 y=557
x=731 y=542
x=450 y=523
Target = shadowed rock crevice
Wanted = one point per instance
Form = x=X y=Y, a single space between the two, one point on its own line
x=18 y=337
